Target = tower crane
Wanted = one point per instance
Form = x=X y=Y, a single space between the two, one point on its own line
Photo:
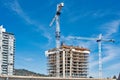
x=99 y=40
x=56 y=19
x=59 y=7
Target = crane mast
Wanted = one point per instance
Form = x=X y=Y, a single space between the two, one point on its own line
x=100 y=55
x=56 y=19
x=57 y=32
x=59 y=7
x=99 y=41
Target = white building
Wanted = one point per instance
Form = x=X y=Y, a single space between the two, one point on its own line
x=7 y=51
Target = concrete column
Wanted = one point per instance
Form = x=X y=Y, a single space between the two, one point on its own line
x=71 y=63
x=58 y=64
x=63 y=64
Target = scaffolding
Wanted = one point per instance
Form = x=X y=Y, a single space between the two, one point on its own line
x=73 y=62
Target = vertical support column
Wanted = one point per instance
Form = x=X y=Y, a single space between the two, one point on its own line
x=63 y=64
x=58 y=64
x=71 y=63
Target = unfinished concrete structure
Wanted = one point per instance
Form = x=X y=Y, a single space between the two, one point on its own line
x=73 y=61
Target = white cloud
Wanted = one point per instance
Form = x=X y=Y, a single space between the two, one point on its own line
x=111 y=27
x=93 y=14
x=15 y=6
x=110 y=53
x=102 y=13
x=75 y=16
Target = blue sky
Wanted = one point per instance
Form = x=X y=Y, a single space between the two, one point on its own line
x=29 y=20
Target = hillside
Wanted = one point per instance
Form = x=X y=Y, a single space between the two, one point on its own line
x=24 y=72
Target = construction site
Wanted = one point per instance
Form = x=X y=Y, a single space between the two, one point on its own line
x=72 y=62
x=66 y=62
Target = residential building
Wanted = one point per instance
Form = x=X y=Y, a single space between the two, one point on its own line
x=7 y=52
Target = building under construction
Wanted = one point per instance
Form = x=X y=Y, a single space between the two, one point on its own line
x=68 y=61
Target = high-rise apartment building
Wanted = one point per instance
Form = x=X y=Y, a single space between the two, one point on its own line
x=7 y=51
x=73 y=62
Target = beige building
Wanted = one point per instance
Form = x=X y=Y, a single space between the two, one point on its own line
x=68 y=61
